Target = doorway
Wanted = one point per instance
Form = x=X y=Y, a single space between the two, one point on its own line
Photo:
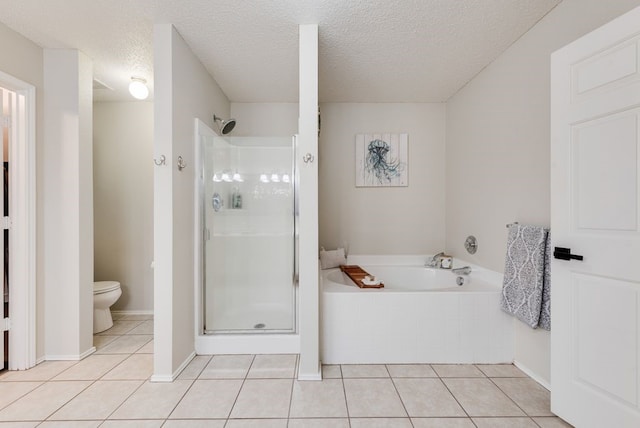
x=18 y=237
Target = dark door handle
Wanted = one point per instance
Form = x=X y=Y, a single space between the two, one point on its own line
x=565 y=254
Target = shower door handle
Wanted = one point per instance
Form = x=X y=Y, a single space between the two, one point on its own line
x=308 y=158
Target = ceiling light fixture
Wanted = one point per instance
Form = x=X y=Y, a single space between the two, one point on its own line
x=138 y=88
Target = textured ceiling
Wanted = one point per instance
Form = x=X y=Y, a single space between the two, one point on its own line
x=370 y=50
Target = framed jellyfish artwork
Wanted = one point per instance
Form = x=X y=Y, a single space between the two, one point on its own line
x=382 y=160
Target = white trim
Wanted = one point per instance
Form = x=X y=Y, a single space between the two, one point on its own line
x=76 y=357
x=532 y=375
x=22 y=157
x=174 y=376
x=247 y=344
x=310 y=376
x=120 y=313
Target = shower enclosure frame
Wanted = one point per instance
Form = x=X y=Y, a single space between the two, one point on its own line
x=238 y=342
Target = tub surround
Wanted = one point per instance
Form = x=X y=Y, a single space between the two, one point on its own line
x=405 y=324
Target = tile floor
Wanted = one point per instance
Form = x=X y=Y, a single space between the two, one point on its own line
x=111 y=389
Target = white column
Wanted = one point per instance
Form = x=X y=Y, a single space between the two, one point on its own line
x=309 y=368
x=163 y=205
x=68 y=204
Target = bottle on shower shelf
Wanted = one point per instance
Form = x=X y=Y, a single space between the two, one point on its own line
x=236 y=199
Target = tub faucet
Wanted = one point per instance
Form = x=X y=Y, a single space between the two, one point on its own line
x=434 y=261
x=466 y=270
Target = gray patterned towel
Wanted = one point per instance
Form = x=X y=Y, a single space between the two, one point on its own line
x=526 y=290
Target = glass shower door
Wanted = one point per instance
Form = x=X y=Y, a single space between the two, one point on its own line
x=248 y=235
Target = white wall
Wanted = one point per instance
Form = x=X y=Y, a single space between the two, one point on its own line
x=23 y=59
x=123 y=200
x=68 y=204
x=265 y=119
x=184 y=90
x=498 y=148
x=393 y=220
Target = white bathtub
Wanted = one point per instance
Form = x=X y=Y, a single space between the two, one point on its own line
x=420 y=316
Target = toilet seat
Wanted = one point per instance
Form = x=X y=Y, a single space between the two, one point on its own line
x=100 y=287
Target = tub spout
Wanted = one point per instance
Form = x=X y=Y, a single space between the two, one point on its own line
x=434 y=261
x=466 y=270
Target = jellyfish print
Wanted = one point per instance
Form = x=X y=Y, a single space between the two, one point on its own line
x=381 y=160
x=379 y=165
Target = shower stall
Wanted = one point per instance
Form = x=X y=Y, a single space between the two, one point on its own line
x=247 y=211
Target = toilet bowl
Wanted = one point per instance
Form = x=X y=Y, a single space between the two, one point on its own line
x=105 y=294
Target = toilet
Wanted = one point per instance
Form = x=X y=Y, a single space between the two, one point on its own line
x=105 y=294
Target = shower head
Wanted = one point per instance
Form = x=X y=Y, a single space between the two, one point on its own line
x=226 y=126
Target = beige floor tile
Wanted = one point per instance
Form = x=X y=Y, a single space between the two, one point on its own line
x=195 y=367
x=273 y=367
x=136 y=367
x=364 y=370
x=101 y=341
x=504 y=423
x=91 y=368
x=98 y=401
x=194 y=423
x=70 y=424
x=442 y=423
x=145 y=328
x=208 y=399
x=18 y=424
x=146 y=349
x=11 y=391
x=457 y=370
x=427 y=397
x=501 y=370
x=552 y=422
x=42 y=401
x=319 y=423
x=133 y=424
x=125 y=344
x=373 y=398
x=263 y=398
x=42 y=372
x=533 y=398
x=152 y=400
x=480 y=397
x=227 y=367
x=318 y=399
x=411 y=370
x=331 y=371
x=256 y=423
x=120 y=327
x=381 y=423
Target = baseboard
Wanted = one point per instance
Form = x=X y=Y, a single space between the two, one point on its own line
x=176 y=373
x=310 y=376
x=532 y=375
x=73 y=357
x=131 y=312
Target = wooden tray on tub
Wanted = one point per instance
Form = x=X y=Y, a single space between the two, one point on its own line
x=357 y=274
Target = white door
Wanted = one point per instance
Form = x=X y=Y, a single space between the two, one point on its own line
x=595 y=151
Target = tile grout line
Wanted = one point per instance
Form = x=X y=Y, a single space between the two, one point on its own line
x=454 y=397
x=344 y=391
x=512 y=400
x=128 y=396
x=239 y=389
x=395 y=387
